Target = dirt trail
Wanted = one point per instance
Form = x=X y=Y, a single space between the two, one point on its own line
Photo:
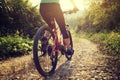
x=86 y=64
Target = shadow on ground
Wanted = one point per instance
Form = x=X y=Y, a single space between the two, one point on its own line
x=63 y=72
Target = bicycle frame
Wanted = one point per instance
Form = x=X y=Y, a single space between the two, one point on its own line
x=57 y=41
x=50 y=51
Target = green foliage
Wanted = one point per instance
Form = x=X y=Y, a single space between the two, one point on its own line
x=19 y=15
x=111 y=42
x=14 y=46
x=102 y=17
x=98 y=37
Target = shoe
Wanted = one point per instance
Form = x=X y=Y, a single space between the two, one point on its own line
x=70 y=51
x=62 y=49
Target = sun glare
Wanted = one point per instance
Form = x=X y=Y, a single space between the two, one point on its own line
x=67 y=5
x=35 y=2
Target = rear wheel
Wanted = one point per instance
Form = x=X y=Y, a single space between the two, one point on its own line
x=43 y=53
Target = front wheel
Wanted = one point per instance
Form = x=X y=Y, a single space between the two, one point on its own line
x=42 y=52
x=69 y=56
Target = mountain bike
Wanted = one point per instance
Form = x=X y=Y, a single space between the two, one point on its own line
x=48 y=44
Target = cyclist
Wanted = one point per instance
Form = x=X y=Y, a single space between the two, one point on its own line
x=50 y=11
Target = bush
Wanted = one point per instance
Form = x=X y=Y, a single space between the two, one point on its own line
x=98 y=37
x=11 y=46
x=111 y=42
x=19 y=15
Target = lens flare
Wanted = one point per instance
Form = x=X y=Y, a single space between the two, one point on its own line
x=67 y=5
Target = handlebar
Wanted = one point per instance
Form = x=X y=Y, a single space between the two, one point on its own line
x=74 y=10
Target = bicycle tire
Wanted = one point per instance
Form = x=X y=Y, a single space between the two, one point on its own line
x=36 y=56
x=69 y=57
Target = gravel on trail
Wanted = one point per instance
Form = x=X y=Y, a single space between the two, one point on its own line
x=87 y=64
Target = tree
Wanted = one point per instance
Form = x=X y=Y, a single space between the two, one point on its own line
x=103 y=16
x=20 y=16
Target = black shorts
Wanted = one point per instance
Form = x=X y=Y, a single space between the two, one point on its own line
x=52 y=11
